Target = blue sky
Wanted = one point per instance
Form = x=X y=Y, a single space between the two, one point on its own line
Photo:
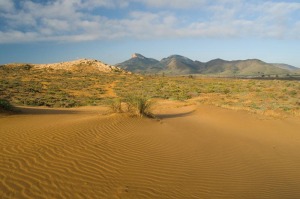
x=47 y=31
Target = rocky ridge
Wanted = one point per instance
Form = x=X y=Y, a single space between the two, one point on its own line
x=87 y=65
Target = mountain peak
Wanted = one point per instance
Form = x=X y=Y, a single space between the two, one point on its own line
x=139 y=63
x=177 y=57
x=137 y=55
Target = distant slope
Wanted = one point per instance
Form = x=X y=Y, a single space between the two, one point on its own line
x=177 y=64
x=241 y=67
x=286 y=66
x=78 y=65
x=140 y=64
x=180 y=65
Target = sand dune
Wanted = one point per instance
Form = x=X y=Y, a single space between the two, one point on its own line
x=193 y=152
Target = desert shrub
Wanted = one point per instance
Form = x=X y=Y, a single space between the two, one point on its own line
x=116 y=105
x=139 y=105
x=5 y=105
x=192 y=94
x=293 y=93
x=32 y=87
x=27 y=67
x=66 y=103
x=226 y=90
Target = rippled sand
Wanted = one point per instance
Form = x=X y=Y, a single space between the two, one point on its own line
x=193 y=152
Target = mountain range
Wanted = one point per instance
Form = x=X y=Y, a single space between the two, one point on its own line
x=180 y=65
x=172 y=65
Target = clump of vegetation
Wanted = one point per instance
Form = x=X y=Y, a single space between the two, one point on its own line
x=116 y=105
x=137 y=105
x=5 y=105
x=140 y=105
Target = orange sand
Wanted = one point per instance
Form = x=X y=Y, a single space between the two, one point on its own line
x=193 y=152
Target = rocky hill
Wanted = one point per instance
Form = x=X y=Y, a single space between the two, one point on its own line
x=180 y=65
x=140 y=64
x=87 y=65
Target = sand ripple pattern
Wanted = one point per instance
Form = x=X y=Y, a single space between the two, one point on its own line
x=93 y=156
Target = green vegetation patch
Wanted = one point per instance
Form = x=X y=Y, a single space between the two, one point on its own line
x=5 y=105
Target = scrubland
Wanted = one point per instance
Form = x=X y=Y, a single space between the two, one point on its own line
x=60 y=88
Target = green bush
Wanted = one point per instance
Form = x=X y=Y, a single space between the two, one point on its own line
x=5 y=105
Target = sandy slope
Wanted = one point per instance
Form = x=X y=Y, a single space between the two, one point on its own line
x=193 y=152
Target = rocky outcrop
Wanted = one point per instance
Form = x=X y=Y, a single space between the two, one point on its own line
x=87 y=65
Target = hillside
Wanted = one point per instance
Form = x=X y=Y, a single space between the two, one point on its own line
x=241 y=67
x=140 y=64
x=286 y=66
x=180 y=65
x=87 y=65
x=177 y=64
x=66 y=84
x=174 y=64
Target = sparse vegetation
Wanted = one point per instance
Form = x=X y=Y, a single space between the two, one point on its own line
x=60 y=88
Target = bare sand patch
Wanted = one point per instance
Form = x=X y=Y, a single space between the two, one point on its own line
x=192 y=152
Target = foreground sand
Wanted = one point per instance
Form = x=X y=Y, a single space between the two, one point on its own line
x=193 y=152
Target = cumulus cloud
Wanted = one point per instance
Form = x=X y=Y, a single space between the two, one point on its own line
x=13 y=36
x=6 y=5
x=82 y=20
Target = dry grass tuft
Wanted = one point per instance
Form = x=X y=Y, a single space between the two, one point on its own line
x=136 y=105
x=140 y=105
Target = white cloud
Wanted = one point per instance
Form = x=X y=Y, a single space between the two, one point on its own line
x=17 y=36
x=91 y=4
x=173 y=4
x=77 y=20
x=6 y=5
x=57 y=25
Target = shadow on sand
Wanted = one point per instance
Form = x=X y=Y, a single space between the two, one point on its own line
x=174 y=115
x=43 y=111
